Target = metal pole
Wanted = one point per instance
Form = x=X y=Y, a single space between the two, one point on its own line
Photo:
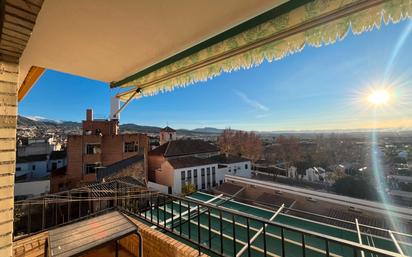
x=29 y=219
x=396 y=243
x=69 y=206
x=359 y=236
x=43 y=214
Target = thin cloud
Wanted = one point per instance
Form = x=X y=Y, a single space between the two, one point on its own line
x=253 y=103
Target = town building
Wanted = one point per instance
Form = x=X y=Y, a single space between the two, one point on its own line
x=27 y=147
x=31 y=166
x=169 y=163
x=167 y=134
x=31 y=188
x=99 y=146
x=233 y=165
x=57 y=160
x=177 y=163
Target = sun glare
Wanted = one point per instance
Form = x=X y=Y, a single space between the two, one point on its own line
x=379 y=97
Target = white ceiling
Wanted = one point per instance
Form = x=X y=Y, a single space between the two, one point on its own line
x=108 y=40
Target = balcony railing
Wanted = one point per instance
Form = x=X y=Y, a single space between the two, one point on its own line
x=210 y=228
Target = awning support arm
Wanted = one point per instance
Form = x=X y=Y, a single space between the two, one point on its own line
x=138 y=90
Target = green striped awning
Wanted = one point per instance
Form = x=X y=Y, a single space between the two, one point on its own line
x=315 y=23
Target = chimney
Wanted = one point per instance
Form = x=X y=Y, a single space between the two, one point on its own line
x=114 y=107
x=89 y=114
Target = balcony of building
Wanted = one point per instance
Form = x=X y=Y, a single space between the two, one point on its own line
x=199 y=224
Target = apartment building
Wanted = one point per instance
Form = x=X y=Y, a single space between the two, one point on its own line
x=99 y=146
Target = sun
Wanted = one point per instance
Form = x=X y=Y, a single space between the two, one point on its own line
x=379 y=97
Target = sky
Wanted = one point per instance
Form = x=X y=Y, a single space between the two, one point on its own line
x=322 y=88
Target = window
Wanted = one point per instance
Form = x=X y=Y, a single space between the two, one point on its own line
x=33 y=167
x=246 y=166
x=208 y=176
x=213 y=178
x=91 y=168
x=18 y=168
x=203 y=179
x=195 y=173
x=183 y=175
x=130 y=147
x=203 y=172
x=93 y=149
x=189 y=176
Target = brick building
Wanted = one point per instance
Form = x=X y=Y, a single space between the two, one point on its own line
x=99 y=146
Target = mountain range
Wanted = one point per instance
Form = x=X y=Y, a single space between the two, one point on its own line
x=40 y=122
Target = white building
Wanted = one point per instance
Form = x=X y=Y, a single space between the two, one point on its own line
x=315 y=174
x=202 y=173
x=179 y=162
x=57 y=160
x=26 y=189
x=33 y=166
x=37 y=147
x=233 y=165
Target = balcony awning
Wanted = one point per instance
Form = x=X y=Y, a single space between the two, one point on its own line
x=108 y=40
x=314 y=23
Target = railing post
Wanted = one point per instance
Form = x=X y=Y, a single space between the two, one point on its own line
x=234 y=234
x=327 y=248
x=221 y=231
x=151 y=208
x=210 y=227
x=188 y=219
x=80 y=205
x=264 y=240
x=157 y=210
x=43 y=214
x=173 y=219
x=180 y=217
x=303 y=246
x=29 y=219
x=198 y=229
x=69 y=206
x=248 y=236
x=282 y=234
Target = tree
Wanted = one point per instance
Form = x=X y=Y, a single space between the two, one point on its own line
x=188 y=189
x=357 y=187
x=241 y=143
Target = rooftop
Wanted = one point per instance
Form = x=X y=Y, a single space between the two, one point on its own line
x=227 y=159
x=31 y=158
x=184 y=147
x=167 y=129
x=56 y=155
x=189 y=161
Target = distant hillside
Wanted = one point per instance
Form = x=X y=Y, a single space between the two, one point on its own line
x=30 y=122
x=130 y=127
x=43 y=124
x=208 y=130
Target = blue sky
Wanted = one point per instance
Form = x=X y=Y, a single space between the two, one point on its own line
x=318 y=88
